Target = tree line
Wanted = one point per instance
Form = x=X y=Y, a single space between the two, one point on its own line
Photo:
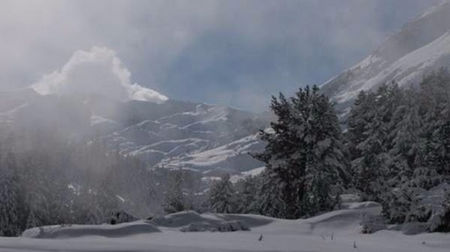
x=52 y=182
x=394 y=149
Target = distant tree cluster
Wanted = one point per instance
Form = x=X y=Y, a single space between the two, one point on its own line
x=181 y=191
x=59 y=183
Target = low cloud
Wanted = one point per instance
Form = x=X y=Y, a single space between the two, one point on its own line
x=96 y=72
x=201 y=50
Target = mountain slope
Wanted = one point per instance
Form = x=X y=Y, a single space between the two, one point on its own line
x=232 y=157
x=173 y=134
x=172 y=139
x=421 y=46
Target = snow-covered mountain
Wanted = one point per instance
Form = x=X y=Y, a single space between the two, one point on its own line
x=199 y=137
x=421 y=46
x=231 y=157
x=206 y=138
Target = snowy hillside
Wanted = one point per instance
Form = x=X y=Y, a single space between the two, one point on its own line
x=232 y=157
x=173 y=134
x=421 y=46
x=205 y=138
x=337 y=231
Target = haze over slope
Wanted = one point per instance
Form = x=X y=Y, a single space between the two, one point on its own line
x=421 y=46
x=92 y=96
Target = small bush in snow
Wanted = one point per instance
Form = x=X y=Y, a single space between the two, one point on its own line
x=227 y=226
x=371 y=224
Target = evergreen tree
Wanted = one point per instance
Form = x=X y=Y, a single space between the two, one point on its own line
x=372 y=139
x=404 y=148
x=174 y=198
x=9 y=198
x=304 y=156
x=361 y=114
x=222 y=198
x=406 y=141
x=246 y=190
x=435 y=94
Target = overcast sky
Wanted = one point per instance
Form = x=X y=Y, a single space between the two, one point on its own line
x=235 y=53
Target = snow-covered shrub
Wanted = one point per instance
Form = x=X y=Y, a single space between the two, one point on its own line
x=118 y=217
x=226 y=226
x=372 y=223
x=198 y=227
x=397 y=205
x=231 y=226
x=433 y=207
x=412 y=228
x=440 y=220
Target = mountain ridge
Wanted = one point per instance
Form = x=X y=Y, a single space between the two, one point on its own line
x=418 y=48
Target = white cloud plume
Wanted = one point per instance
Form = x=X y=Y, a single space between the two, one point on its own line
x=97 y=71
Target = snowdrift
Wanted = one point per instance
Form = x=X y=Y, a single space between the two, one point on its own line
x=336 y=231
x=105 y=230
x=190 y=221
x=347 y=220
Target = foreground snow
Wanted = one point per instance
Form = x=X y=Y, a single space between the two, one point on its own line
x=335 y=231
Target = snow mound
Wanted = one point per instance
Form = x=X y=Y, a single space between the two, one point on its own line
x=105 y=230
x=414 y=228
x=184 y=218
x=336 y=231
x=190 y=221
x=346 y=219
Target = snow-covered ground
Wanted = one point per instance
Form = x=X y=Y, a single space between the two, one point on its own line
x=337 y=231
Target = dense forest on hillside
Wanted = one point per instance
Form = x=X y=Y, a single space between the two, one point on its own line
x=395 y=150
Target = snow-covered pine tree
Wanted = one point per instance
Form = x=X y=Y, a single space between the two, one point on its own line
x=361 y=114
x=405 y=130
x=437 y=158
x=174 y=200
x=222 y=197
x=371 y=158
x=419 y=149
x=432 y=165
x=246 y=193
x=9 y=198
x=360 y=126
x=435 y=91
x=442 y=223
x=405 y=154
x=304 y=156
